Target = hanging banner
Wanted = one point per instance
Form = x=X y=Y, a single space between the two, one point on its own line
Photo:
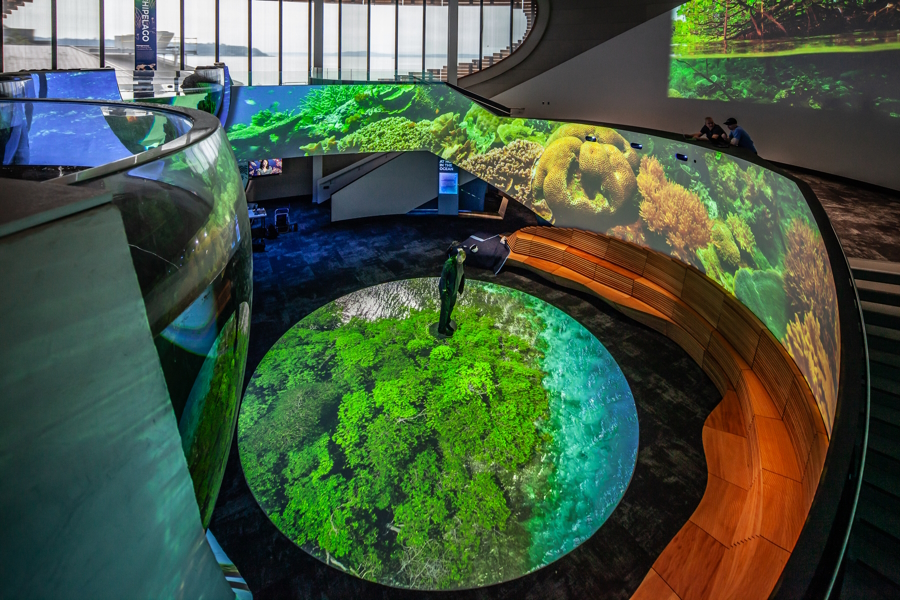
x=144 y=35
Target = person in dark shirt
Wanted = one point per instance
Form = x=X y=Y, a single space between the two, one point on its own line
x=711 y=131
x=739 y=137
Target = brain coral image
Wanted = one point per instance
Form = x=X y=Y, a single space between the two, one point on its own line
x=589 y=168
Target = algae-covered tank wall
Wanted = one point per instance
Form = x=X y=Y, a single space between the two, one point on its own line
x=745 y=226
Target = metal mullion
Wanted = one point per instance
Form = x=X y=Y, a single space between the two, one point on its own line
x=340 y=30
x=280 y=40
x=424 y=27
x=250 y=42
x=54 y=41
x=181 y=60
x=217 y=31
x=396 y=38
x=511 y=3
x=309 y=40
x=368 y=40
x=481 y=35
x=102 y=35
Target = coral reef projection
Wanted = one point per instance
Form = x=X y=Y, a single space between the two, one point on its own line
x=438 y=463
x=743 y=225
x=832 y=54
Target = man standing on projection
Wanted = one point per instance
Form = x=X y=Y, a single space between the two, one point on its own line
x=739 y=137
x=453 y=280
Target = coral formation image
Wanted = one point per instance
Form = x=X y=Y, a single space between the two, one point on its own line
x=429 y=463
x=509 y=169
x=588 y=168
x=673 y=211
x=393 y=134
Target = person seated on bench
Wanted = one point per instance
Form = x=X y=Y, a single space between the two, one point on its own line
x=711 y=132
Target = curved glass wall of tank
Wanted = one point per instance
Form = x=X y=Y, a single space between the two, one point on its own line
x=272 y=39
x=176 y=183
x=203 y=88
x=745 y=226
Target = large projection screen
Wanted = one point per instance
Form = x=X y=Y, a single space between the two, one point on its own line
x=816 y=54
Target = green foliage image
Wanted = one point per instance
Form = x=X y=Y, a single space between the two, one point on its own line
x=438 y=464
x=831 y=54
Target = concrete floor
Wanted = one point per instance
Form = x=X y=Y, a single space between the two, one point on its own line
x=302 y=271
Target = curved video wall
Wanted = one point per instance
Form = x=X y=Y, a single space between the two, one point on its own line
x=745 y=226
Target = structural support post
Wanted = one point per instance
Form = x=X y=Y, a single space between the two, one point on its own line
x=316 y=176
x=453 y=42
x=318 y=57
x=54 y=46
x=102 y=35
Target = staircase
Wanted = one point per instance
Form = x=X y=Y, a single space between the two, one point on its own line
x=872 y=562
x=528 y=7
x=10 y=5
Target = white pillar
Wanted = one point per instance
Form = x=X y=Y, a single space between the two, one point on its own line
x=316 y=176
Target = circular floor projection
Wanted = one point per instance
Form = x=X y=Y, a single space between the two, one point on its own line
x=430 y=463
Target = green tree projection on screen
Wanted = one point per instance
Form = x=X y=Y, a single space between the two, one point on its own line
x=836 y=54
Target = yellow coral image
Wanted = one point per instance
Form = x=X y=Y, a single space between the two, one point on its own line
x=588 y=175
x=671 y=210
x=713 y=268
x=725 y=245
x=551 y=176
x=603 y=135
x=803 y=341
x=509 y=169
x=742 y=233
x=604 y=168
x=808 y=280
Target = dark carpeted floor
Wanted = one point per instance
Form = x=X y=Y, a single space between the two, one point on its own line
x=866 y=220
x=302 y=271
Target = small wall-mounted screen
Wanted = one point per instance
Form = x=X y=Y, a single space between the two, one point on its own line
x=265 y=166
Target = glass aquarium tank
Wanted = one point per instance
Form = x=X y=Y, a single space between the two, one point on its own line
x=185 y=217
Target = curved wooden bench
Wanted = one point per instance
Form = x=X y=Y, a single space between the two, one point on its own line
x=765 y=443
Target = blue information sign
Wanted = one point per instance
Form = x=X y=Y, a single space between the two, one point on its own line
x=144 y=35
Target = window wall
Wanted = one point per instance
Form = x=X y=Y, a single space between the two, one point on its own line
x=27 y=36
x=234 y=38
x=330 y=34
x=410 y=36
x=78 y=34
x=374 y=39
x=435 y=35
x=382 y=28
x=495 y=40
x=264 y=53
x=354 y=39
x=295 y=37
x=469 y=36
x=118 y=19
x=168 y=34
x=199 y=32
